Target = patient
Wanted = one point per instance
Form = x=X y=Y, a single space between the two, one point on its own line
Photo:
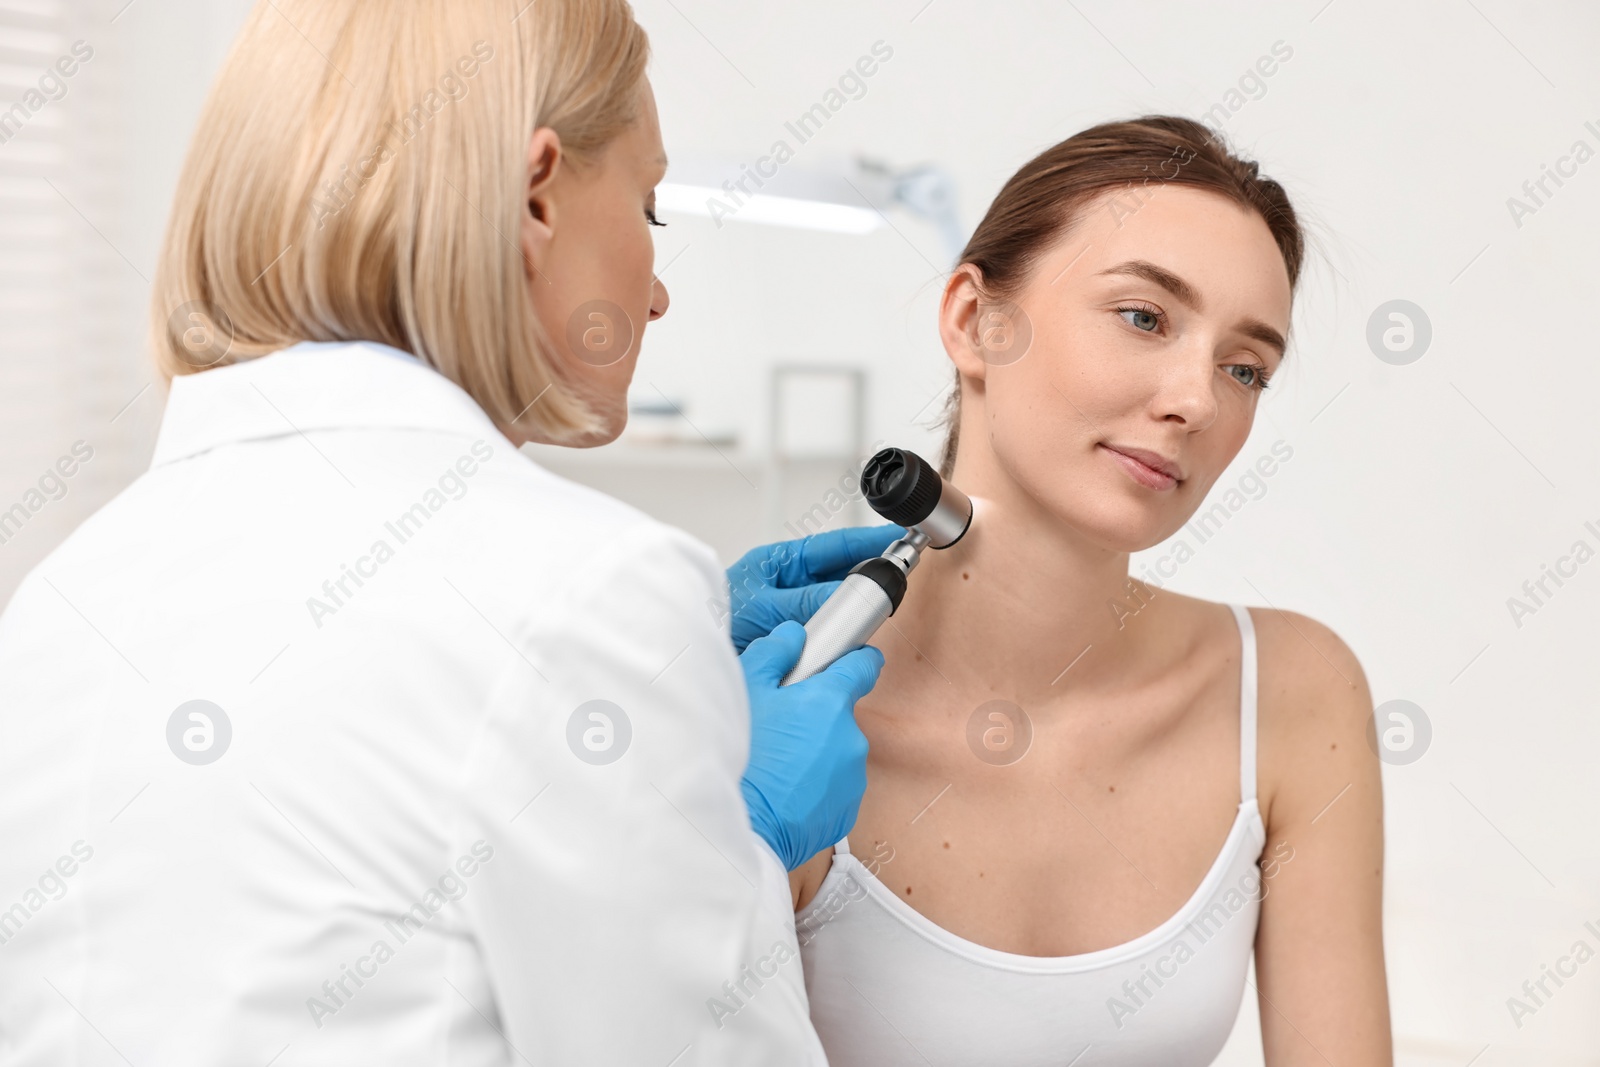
x=1091 y=801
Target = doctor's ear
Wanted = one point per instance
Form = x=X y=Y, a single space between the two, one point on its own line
x=545 y=159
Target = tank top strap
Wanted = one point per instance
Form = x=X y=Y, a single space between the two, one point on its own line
x=842 y=848
x=1248 y=679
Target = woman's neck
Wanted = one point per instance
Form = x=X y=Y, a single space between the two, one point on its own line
x=1022 y=604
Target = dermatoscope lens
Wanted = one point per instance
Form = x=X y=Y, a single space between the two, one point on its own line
x=906 y=489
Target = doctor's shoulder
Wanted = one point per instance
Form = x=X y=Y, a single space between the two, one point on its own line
x=544 y=530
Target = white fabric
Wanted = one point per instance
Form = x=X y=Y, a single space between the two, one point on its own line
x=401 y=750
x=889 y=987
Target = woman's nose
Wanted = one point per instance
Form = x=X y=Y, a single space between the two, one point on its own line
x=1187 y=392
x=658 y=299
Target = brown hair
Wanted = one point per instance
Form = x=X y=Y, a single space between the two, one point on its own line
x=372 y=189
x=1043 y=199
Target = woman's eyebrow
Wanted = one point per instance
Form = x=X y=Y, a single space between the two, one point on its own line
x=1189 y=296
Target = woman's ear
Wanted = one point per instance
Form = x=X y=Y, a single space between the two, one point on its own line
x=959 y=322
x=539 y=214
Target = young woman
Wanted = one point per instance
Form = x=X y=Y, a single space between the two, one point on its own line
x=1090 y=800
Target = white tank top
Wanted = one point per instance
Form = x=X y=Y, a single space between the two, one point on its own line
x=888 y=986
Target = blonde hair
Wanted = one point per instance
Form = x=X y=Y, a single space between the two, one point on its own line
x=359 y=173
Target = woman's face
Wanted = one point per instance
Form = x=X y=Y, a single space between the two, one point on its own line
x=1142 y=336
x=591 y=260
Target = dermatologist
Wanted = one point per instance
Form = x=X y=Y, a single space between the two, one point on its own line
x=349 y=734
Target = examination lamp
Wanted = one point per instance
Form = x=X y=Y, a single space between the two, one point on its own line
x=904 y=488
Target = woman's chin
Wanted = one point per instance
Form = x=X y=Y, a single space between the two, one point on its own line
x=1130 y=530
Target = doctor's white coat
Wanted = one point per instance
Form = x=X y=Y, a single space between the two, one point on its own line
x=349 y=735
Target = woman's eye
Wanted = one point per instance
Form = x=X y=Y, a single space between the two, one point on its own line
x=1144 y=320
x=1253 y=378
x=650 y=215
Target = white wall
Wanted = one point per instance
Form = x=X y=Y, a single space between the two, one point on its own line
x=1418 y=498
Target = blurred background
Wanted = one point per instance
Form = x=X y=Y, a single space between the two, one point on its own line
x=1438 y=460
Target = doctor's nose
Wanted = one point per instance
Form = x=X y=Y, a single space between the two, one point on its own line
x=658 y=299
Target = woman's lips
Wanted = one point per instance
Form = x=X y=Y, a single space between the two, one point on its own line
x=1141 y=472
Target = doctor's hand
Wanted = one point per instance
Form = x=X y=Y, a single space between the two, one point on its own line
x=808 y=759
x=791 y=579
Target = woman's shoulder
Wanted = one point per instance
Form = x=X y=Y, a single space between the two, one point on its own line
x=1314 y=708
x=1314 y=716
x=1299 y=661
x=1308 y=650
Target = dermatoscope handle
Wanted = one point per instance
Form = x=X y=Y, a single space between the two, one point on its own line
x=848 y=619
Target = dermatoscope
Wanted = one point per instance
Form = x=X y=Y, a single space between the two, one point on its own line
x=905 y=489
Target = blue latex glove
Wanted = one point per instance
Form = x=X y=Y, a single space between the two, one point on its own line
x=808 y=759
x=791 y=579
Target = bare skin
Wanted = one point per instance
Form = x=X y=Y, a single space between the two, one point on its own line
x=1117 y=811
